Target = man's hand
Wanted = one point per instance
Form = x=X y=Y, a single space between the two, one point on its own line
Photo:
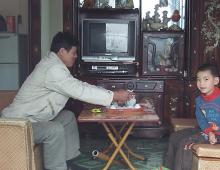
x=121 y=96
x=212 y=138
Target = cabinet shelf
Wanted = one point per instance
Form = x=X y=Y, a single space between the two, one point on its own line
x=8 y=63
x=108 y=10
x=6 y=34
x=165 y=31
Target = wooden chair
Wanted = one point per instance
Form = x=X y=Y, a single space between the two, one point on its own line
x=17 y=149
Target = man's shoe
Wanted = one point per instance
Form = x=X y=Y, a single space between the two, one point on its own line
x=75 y=167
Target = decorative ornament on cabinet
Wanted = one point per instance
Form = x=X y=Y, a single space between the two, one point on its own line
x=175 y=18
x=129 y=4
x=173 y=105
x=88 y=4
x=165 y=19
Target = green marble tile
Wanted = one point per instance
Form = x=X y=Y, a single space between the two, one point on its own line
x=152 y=149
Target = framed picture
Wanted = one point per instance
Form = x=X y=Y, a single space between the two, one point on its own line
x=163 y=3
x=163 y=54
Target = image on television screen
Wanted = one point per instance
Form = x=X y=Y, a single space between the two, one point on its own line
x=108 y=38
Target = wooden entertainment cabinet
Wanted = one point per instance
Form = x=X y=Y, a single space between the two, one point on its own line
x=160 y=60
x=169 y=58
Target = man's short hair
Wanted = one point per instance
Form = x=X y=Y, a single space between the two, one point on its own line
x=209 y=67
x=64 y=40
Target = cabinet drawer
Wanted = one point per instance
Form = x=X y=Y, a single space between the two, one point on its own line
x=146 y=85
x=112 y=86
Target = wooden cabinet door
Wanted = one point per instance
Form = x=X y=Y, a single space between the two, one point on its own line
x=174 y=91
x=204 y=34
x=190 y=94
x=180 y=98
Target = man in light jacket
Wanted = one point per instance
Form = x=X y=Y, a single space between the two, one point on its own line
x=44 y=94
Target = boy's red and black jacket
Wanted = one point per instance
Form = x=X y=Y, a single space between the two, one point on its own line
x=208 y=112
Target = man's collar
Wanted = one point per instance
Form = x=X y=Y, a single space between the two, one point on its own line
x=54 y=55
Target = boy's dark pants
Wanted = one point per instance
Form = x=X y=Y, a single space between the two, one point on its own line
x=174 y=155
x=177 y=158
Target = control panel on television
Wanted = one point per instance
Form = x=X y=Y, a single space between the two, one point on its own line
x=108 y=40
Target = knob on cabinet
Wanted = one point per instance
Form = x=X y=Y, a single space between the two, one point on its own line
x=130 y=86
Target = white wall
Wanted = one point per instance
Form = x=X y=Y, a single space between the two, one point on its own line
x=56 y=17
x=51 y=22
x=45 y=27
x=15 y=8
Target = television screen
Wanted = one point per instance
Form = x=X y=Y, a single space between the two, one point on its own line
x=108 y=39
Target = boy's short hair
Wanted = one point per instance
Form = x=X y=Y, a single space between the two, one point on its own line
x=209 y=67
x=64 y=40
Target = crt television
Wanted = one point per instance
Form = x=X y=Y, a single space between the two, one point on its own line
x=108 y=40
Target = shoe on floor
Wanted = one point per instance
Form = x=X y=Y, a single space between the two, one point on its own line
x=73 y=166
x=76 y=167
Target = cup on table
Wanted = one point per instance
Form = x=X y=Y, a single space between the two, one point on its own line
x=131 y=102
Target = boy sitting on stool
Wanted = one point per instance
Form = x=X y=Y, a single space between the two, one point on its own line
x=179 y=155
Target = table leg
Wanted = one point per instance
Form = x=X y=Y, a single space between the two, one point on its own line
x=118 y=146
x=117 y=134
x=102 y=156
x=112 y=145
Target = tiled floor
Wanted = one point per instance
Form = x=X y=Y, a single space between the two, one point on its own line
x=152 y=149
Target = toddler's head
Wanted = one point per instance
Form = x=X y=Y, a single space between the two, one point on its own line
x=207 y=78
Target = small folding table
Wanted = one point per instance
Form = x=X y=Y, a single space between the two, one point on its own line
x=111 y=120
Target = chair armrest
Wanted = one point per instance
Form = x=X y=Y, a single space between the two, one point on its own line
x=206 y=150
